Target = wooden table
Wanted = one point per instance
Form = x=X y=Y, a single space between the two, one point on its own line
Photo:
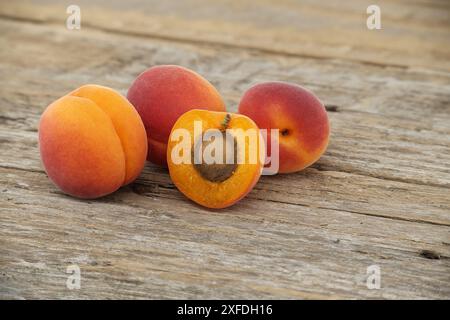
x=379 y=196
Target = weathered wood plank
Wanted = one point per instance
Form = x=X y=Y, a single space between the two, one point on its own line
x=378 y=196
x=315 y=187
x=156 y=246
x=413 y=33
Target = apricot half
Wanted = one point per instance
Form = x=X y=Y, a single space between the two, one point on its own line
x=299 y=116
x=215 y=158
x=92 y=141
x=163 y=93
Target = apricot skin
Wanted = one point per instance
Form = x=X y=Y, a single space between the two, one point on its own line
x=161 y=95
x=297 y=113
x=92 y=141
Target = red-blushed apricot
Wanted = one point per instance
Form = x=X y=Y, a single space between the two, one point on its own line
x=161 y=95
x=239 y=150
x=92 y=141
x=298 y=114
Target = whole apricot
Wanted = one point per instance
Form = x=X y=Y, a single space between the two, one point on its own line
x=161 y=95
x=92 y=141
x=299 y=116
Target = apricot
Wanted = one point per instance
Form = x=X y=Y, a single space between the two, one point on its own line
x=299 y=116
x=215 y=158
x=92 y=141
x=161 y=95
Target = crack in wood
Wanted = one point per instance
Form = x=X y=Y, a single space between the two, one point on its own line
x=430 y=254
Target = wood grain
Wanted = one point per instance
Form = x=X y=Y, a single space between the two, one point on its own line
x=378 y=196
x=414 y=34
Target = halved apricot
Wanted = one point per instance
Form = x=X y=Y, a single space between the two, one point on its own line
x=215 y=158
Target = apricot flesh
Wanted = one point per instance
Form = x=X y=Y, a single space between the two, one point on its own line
x=209 y=189
x=92 y=141
x=161 y=95
x=299 y=116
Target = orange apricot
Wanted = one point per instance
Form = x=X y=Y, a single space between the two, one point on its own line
x=92 y=141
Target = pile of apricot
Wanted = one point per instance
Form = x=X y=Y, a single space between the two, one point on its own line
x=93 y=140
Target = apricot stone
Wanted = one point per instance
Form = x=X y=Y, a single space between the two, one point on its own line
x=298 y=114
x=92 y=141
x=161 y=95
